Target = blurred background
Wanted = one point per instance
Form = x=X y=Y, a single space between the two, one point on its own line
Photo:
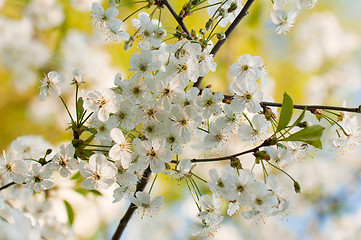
x=318 y=62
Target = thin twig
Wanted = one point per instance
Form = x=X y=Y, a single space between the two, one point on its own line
x=228 y=32
x=229 y=157
x=314 y=107
x=178 y=19
x=131 y=209
x=6 y=186
x=302 y=107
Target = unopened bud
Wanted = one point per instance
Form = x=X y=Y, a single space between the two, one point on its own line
x=209 y=24
x=202 y=31
x=261 y=155
x=233 y=7
x=236 y=163
x=297 y=187
x=221 y=36
x=303 y=124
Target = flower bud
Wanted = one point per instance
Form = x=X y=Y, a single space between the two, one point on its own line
x=221 y=36
x=236 y=163
x=209 y=24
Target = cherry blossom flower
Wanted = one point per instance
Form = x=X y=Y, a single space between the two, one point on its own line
x=100 y=16
x=99 y=173
x=39 y=177
x=210 y=102
x=121 y=150
x=255 y=133
x=350 y=135
x=12 y=167
x=247 y=68
x=153 y=153
x=281 y=21
x=145 y=205
x=50 y=84
x=65 y=160
x=103 y=103
x=247 y=96
x=149 y=29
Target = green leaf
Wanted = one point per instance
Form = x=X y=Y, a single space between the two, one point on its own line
x=310 y=135
x=75 y=176
x=286 y=112
x=79 y=108
x=70 y=212
x=95 y=192
x=82 y=191
x=300 y=118
x=316 y=143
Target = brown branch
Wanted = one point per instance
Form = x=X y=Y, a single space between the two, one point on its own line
x=267 y=142
x=178 y=19
x=302 y=107
x=228 y=32
x=6 y=186
x=131 y=209
x=314 y=107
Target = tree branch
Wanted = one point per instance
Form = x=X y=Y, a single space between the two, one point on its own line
x=302 y=107
x=178 y=19
x=131 y=209
x=267 y=142
x=314 y=107
x=6 y=186
x=228 y=32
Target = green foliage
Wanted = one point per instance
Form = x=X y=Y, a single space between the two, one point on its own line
x=69 y=211
x=286 y=112
x=310 y=135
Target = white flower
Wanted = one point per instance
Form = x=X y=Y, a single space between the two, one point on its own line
x=279 y=155
x=127 y=182
x=247 y=95
x=78 y=77
x=121 y=150
x=306 y=3
x=153 y=153
x=216 y=138
x=210 y=103
x=184 y=120
x=144 y=63
x=65 y=160
x=12 y=167
x=103 y=128
x=263 y=199
x=149 y=29
x=350 y=136
x=247 y=68
x=50 y=84
x=100 y=16
x=182 y=170
x=99 y=173
x=112 y=29
x=39 y=177
x=281 y=21
x=103 y=103
x=255 y=133
x=145 y=205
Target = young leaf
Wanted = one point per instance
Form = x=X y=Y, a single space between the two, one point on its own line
x=79 y=108
x=70 y=212
x=300 y=118
x=286 y=112
x=310 y=135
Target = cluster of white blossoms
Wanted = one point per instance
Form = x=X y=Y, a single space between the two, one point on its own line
x=144 y=123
